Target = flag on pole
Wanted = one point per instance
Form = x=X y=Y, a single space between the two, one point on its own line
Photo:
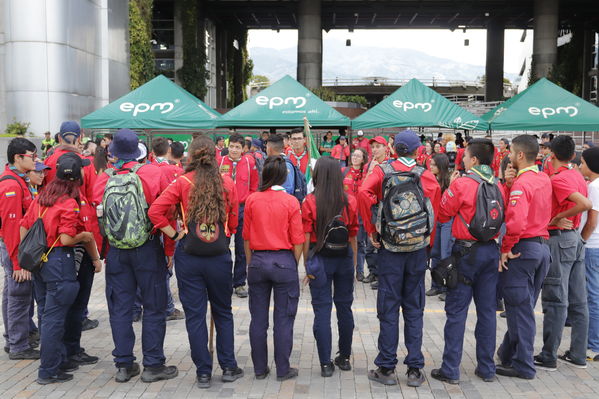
x=313 y=154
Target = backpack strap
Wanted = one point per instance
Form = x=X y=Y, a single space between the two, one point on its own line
x=137 y=167
x=387 y=168
x=418 y=170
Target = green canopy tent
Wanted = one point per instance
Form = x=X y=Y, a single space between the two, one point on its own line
x=544 y=106
x=158 y=104
x=283 y=104
x=416 y=105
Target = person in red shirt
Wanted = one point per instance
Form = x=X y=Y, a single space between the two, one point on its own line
x=273 y=238
x=564 y=292
x=143 y=267
x=331 y=267
x=55 y=282
x=524 y=256
x=15 y=199
x=341 y=151
x=241 y=168
x=363 y=143
x=298 y=154
x=424 y=158
x=206 y=276
x=504 y=150
x=459 y=158
x=477 y=264
x=400 y=274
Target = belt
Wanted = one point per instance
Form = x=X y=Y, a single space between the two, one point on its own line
x=558 y=232
x=540 y=240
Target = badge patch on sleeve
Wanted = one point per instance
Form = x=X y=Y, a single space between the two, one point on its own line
x=10 y=194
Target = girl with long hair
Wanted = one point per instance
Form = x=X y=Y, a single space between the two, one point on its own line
x=55 y=283
x=326 y=213
x=443 y=244
x=207 y=203
x=273 y=241
x=424 y=158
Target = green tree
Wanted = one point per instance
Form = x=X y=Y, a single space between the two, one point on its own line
x=260 y=80
x=141 y=61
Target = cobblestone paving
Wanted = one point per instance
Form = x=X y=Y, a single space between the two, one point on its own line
x=17 y=378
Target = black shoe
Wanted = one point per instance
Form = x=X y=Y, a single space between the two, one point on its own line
x=566 y=358
x=383 y=375
x=415 y=377
x=230 y=375
x=27 y=354
x=326 y=370
x=204 y=381
x=60 y=377
x=153 y=374
x=292 y=373
x=369 y=279
x=6 y=349
x=510 y=372
x=503 y=314
x=68 y=366
x=437 y=374
x=374 y=285
x=479 y=375
x=263 y=375
x=442 y=296
x=136 y=317
x=500 y=306
x=543 y=364
x=433 y=292
x=89 y=324
x=34 y=339
x=84 y=359
x=175 y=315
x=360 y=276
x=343 y=363
x=124 y=374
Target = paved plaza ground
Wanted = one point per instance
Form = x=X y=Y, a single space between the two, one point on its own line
x=17 y=378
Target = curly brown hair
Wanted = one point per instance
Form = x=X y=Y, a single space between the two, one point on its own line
x=206 y=199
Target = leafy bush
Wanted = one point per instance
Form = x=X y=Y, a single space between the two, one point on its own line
x=17 y=128
x=141 y=61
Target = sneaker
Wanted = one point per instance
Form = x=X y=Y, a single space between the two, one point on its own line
x=566 y=358
x=230 y=375
x=27 y=354
x=326 y=370
x=175 y=315
x=437 y=374
x=383 y=375
x=442 y=296
x=592 y=356
x=153 y=374
x=58 y=378
x=89 y=324
x=503 y=314
x=241 y=292
x=84 y=359
x=136 y=317
x=203 y=381
x=360 y=276
x=375 y=285
x=34 y=339
x=124 y=374
x=292 y=373
x=263 y=375
x=415 y=377
x=543 y=364
x=6 y=349
x=343 y=363
x=369 y=279
x=433 y=291
x=68 y=366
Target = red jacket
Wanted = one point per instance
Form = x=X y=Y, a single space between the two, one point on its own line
x=527 y=212
x=340 y=153
x=352 y=180
x=61 y=218
x=177 y=194
x=548 y=166
x=459 y=158
x=565 y=182
x=460 y=199
x=246 y=175
x=371 y=192
x=170 y=171
x=300 y=160
x=15 y=199
x=89 y=172
x=497 y=159
x=349 y=216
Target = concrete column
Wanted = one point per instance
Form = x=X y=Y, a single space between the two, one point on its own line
x=309 y=43
x=221 y=66
x=494 y=64
x=587 y=62
x=544 y=48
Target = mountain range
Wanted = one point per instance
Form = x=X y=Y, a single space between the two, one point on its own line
x=357 y=62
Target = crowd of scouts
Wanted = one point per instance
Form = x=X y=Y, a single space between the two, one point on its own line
x=250 y=193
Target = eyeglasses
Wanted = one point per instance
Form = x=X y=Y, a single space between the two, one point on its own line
x=297 y=138
x=32 y=156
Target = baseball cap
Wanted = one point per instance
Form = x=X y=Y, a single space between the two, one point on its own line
x=69 y=166
x=257 y=143
x=39 y=166
x=378 y=139
x=69 y=128
x=360 y=133
x=342 y=138
x=407 y=142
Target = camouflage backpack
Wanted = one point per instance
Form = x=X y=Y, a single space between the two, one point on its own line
x=125 y=221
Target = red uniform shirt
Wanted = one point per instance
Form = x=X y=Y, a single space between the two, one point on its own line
x=527 y=213
x=565 y=182
x=339 y=152
x=300 y=160
x=178 y=193
x=243 y=173
x=349 y=216
x=364 y=143
x=460 y=198
x=371 y=191
x=497 y=159
x=459 y=157
x=272 y=220
x=15 y=199
x=170 y=171
x=424 y=160
x=548 y=165
x=352 y=180
x=89 y=218
x=61 y=218
x=89 y=172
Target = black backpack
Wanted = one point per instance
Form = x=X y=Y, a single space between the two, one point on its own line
x=489 y=214
x=300 y=186
x=33 y=249
x=336 y=238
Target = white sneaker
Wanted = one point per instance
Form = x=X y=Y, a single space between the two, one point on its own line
x=592 y=356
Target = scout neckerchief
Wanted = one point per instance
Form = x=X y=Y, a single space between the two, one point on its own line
x=409 y=162
x=161 y=160
x=277 y=188
x=562 y=168
x=121 y=163
x=484 y=171
x=299 y=158
x=24 y=176
x=533 y=168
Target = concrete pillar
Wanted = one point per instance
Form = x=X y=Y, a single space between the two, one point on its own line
x=309 y=43
x=587 y=62
x=544 y=48
x=221 y=66
x=494 y=64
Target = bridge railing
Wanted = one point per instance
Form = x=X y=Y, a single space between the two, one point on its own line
x=380 y=81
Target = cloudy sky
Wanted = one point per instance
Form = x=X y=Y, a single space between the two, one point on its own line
x=440 y=43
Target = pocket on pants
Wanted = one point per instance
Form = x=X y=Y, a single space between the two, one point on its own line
x=567 y=251
x=515 y=295
x=292 y=302
x=65 y=292
x=552 y=290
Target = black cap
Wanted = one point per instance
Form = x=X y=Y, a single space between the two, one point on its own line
x=69 y=165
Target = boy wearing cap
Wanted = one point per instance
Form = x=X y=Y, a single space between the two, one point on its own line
x=590 y=233
x=364 y=143
x=341 y=151
x=400 y=274
x=15 y=199
x=144 y=266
